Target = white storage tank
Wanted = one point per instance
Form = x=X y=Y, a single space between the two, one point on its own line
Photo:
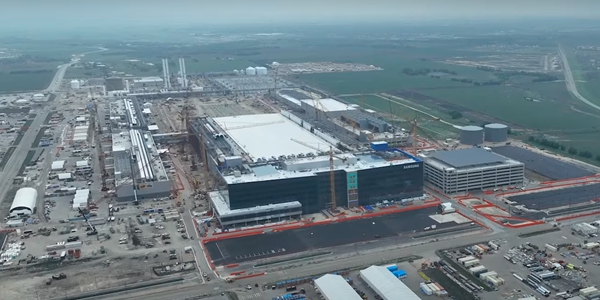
x=261 y=71
x=250 y=71
x=75 y=84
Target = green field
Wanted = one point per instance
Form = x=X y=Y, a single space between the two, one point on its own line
x=589 y=90
x=10 y=83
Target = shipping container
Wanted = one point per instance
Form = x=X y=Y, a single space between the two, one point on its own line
x=550 y=247
x=392 y=268
x=466 y=258
x=425 y=289
x=493 y=246
x=434 y=288
x=471 y=263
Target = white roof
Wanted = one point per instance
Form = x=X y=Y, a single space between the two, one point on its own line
x=329 y=105
x=221 y=205
x=146 y=111
x=82 y=163
x=63 y=176
x=153 y=127
x=24 y=198
x=267 y=135
x=335 y=287
x=384 y=283
x=57 y=165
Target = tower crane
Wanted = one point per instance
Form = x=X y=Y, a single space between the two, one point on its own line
x=415 y=127
x=331 y=170
x=332 y=179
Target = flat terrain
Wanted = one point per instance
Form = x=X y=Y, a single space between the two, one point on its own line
x=299 y=240
x=542 y=164
x=556 y=198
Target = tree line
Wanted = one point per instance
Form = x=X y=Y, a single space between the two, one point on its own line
x=558 y=146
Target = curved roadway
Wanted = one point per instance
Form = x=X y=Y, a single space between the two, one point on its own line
x=571 y=85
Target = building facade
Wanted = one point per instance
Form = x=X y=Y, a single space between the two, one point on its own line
x=491 y=171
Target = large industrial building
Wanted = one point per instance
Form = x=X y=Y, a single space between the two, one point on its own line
x=24 y=203
x=138 y=168
x=348 y=122
x=274 y=166
x=471 y=169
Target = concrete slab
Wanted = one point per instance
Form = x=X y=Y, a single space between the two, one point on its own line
x=300 y=240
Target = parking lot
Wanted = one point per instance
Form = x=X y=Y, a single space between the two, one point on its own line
x=523 y=256
x=560 y=197
x=544 y=165
x=402 y=225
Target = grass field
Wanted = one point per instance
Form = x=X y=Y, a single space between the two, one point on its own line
x=589 y=90
x=10 y=83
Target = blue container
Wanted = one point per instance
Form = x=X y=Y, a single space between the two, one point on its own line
x=392 y=268
x=379 y=146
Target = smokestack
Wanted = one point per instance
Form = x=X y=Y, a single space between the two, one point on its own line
x=182 y=72
x=165 y=73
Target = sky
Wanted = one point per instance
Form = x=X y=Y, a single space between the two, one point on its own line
x=63 y=13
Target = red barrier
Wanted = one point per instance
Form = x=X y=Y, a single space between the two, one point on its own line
x=229 y=266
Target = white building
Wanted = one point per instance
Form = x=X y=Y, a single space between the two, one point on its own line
x=58 y=165
x=24 y=203
x=386 y=285
x=471 y=169
x=325 y=107
x=335 y=287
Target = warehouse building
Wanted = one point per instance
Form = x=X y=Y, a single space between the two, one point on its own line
x=319 y=108
x=274 y=168
x=335 y=287
x=24 y=203
x=386 y=285
x=471 y=169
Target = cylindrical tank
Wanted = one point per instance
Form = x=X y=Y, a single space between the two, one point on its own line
x=496 y=133
x=250 y=71
x=261 y=71
x=75 y=84
x=471 y=135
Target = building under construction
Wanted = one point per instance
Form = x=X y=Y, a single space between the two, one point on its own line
x=274 y=166
x=138 y=168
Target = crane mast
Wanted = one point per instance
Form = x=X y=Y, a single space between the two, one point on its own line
x=332 y=178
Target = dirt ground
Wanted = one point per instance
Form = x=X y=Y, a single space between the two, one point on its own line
x=82 y=276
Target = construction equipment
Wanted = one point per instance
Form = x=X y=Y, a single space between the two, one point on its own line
x=331 y=170
x=91 y=228
x=414 y=129
x=332 y=179
x=95 y=121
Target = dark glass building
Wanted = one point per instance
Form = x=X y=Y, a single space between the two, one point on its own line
x=362 y=187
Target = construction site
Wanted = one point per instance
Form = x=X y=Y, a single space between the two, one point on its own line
x=225 y=187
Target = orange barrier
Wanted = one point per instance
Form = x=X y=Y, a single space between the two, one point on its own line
x=578 y=216
x=229 y=266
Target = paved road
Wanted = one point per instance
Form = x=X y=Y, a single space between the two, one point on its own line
x=14 y=164
x=62 y=69
x=571 y=85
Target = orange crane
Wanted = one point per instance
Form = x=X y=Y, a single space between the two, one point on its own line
x=414 y=129
x=331 y=170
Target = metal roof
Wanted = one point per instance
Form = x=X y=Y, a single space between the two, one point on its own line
x=335 y=287
x=384 y=283
x=468 y=157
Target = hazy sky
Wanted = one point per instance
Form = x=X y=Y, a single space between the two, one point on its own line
x=61 y=13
